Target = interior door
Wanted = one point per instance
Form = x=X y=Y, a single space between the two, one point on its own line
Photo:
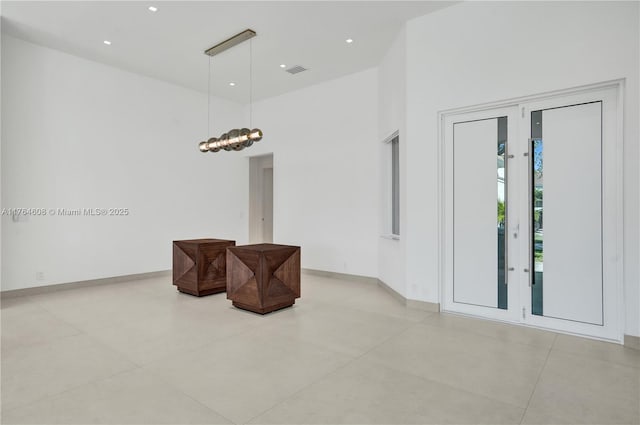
x=261 y=199
x=267 y=205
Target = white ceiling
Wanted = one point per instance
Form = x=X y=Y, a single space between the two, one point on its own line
x=169 y=43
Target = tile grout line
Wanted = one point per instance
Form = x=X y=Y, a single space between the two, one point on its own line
x=346 y=354
x=492 y=337
x=78 y=331
x=85 y=333
x=193 y=350
x=145 y=368
x=546 y=360
x=89 y=333
x=350 y=359
x=412 y=325
x=135 y=364
x=392 y=369
x=478 y=394
x=434 y=381
x=63 y=320
x=176 y=388
x=96 y=381
x=331 y=372
x=73 y=388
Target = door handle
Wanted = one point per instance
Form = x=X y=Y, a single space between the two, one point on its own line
x=506 y=212
x=530 y=191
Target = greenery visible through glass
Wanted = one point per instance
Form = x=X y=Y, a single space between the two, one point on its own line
x=537 y=220
x=537 y=213
x=502 y=213
x=538 y=201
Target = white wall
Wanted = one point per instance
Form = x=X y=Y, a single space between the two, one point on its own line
x=136 y=147
x=326 y=171
x=473 y=53
x=1 y=190
x=392 y=117
x=85 y=135
x=79 y=134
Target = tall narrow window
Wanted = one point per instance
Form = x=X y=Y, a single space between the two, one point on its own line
x=395 y=185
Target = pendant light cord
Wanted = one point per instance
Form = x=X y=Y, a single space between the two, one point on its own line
x=209 y=99
x=251 y=83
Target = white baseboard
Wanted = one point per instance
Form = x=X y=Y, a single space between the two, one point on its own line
x=632 y=342
x=81 y=284
x=343 y=276
x=414 y=304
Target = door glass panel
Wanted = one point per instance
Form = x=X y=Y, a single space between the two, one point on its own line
x=537 y=191
x=502 y=213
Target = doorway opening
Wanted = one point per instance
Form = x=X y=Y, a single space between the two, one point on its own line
x=261 y=199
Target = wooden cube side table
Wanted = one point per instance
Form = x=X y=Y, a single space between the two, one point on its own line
x=199 y=266
x=264 y=277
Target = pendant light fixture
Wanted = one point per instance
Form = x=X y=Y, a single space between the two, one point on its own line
x=236 y=139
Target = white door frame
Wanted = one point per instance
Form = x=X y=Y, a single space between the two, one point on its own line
x=612 y=209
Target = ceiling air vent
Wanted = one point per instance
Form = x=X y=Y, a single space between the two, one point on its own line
x=296 y=69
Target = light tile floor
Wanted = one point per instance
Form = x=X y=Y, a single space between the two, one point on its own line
x=139 y=352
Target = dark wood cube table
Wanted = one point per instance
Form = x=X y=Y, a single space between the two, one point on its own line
x=264 y=277
x=199 y=266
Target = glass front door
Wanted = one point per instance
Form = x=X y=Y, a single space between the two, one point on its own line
x=481 y=210
x=530 y=214
x=565 y=210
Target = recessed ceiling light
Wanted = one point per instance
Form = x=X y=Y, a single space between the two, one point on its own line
x=349 y=40
x=283 y=65
x=232 y=84
x=107 y=42
x=153 y=8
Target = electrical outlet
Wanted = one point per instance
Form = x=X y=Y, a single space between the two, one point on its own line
x=39 y=276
